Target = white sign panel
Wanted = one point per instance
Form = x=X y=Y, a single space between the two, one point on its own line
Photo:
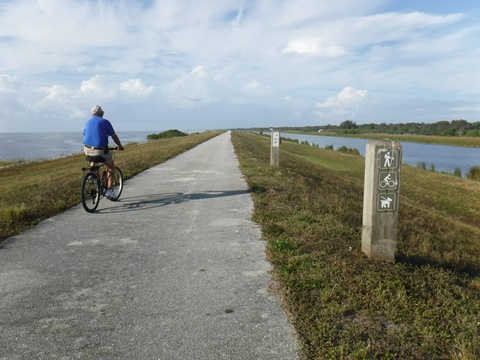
x=275 y=139
x=388 y=159
x=388 y=180
x=386 y=202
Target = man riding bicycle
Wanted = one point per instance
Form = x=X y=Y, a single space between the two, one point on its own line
x=95 y=141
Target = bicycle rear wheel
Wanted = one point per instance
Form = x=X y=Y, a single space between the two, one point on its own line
x=90 y=192
x=117 y=184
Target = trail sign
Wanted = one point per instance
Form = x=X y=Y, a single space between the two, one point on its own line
x=275 y=149
x=275 y=139
x=386 y=202
x=381 y=196
x=388 y=180
x=388 y=158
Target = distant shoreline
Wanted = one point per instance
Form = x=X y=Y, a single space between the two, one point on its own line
x=462 y=141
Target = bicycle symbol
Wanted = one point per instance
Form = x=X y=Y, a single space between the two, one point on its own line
x=388 y=182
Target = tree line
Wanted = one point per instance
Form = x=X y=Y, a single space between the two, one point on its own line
x=441 y=128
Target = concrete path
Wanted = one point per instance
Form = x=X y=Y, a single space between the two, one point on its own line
x=174 y=270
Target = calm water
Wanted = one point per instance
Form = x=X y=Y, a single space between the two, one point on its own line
x=444 y=158
x=36 y=146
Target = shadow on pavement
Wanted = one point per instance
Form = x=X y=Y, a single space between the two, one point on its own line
x=145 y=202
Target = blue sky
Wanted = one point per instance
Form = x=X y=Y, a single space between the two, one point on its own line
x=196 y=65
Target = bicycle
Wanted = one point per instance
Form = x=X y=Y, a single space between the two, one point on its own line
x=388 y=182
x=94 y=186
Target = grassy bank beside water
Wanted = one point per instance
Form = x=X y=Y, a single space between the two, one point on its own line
x=344 y=306
x=33 y=191
x=464 y=141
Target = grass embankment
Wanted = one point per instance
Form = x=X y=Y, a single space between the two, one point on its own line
x=464 y=141
x=32 y=192
x=344 y=306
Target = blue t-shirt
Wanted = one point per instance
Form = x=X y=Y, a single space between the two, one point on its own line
x=97 y=130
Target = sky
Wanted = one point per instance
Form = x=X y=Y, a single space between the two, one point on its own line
x=193 y=65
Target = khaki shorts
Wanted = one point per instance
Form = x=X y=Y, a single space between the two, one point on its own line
x=98 y=152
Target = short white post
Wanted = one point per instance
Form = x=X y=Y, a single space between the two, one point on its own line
x=381 y=199
x=275 y=149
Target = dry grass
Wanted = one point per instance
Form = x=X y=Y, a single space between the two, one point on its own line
x=344 y=306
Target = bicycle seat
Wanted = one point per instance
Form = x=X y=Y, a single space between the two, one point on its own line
x=95 y=159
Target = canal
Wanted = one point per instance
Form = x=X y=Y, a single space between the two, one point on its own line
x=441 y=158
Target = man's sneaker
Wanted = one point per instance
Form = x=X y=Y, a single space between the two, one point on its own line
x=110 y=194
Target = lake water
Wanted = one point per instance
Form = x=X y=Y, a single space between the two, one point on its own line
x=444 y=158
x=36 y=146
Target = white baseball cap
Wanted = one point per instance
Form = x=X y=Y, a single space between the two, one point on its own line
x=97 y=110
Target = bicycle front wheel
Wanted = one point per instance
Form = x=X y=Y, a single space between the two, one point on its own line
x=117 y=187
x=90 y=192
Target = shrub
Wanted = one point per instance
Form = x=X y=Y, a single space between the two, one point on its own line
x=474 y=173
x=166 y=135
x=348 y=150
x=422 y=165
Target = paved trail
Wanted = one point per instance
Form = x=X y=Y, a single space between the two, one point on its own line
x=174 y=270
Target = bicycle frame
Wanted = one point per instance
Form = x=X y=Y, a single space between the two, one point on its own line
x=95 y=169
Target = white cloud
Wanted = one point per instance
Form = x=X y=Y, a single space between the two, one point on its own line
x=57 y=100
x=238 y=18
x=98 y=86
x=55 y=93
x=314 y=47
x=344 y=104
x=191 y=89
x=78 y=114
x=467 y=108
x=197 y=76
x=136 y=87
x=348 y=97
x=256 y=86
x=255 y=92
x=8 y=83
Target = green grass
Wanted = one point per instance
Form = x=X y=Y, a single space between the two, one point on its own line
x=33 y=191
x=426 y=305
